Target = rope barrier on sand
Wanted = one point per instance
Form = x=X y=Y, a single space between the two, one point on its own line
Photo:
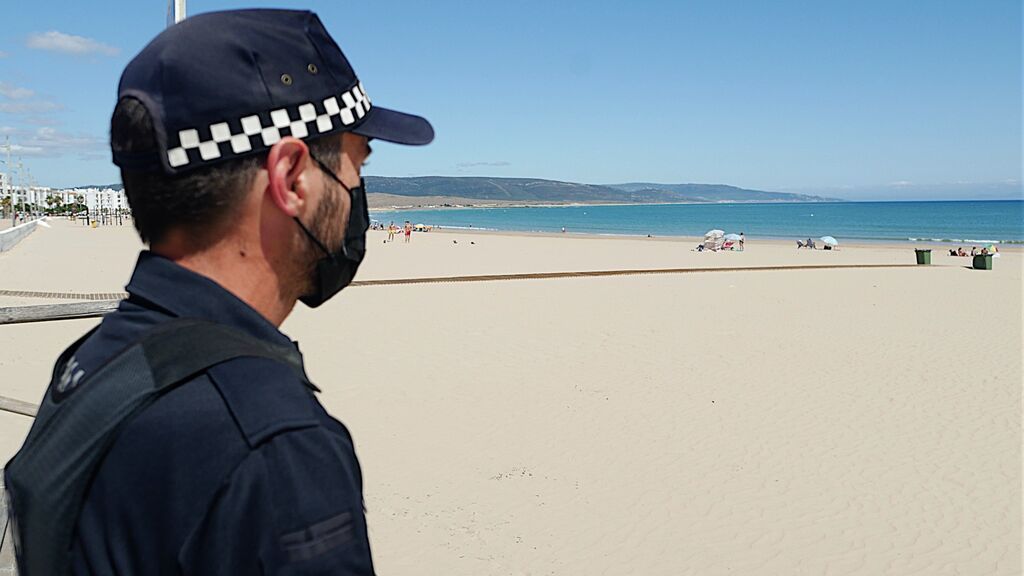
x=104 y=303
x=98 y=304
x=479 y=278
x=597 y=273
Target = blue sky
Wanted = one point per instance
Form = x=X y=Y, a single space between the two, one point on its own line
x=860 y=100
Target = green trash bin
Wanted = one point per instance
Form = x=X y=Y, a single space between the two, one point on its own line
x=924 y=257
x=983 y=262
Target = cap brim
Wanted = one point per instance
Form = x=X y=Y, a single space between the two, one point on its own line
x=394 y=126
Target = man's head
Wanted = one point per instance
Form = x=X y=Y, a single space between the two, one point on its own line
x=252 y=124
x=195 y=207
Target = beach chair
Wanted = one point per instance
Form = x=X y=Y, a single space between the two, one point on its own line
x=728 y=245
x=811 y=245
x=799 y=244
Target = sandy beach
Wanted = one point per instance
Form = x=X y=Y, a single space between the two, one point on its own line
x=818 y=421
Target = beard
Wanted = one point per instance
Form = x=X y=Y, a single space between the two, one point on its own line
x=328 y=225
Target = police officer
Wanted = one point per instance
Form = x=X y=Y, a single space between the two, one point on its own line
x=240 y=137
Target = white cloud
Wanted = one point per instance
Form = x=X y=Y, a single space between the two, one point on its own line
x=20 y=150
x=50 y=142
x=14 y=92
x=475 y=164
x=34 y=107
x=55 y=41
x=40 y=120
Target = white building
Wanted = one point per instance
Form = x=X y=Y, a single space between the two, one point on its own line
x=37 y=195
x=98 y=200
x=105 y=200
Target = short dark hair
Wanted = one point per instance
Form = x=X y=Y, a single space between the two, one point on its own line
x=198 y=201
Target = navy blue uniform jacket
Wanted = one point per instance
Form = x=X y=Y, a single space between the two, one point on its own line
x=239 y=471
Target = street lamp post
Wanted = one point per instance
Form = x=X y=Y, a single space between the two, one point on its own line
x=21 y=179
x=8 y=182
x=33 y=190
x=175 y=12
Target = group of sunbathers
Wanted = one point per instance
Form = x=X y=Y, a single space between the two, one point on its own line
x=975 y=251
x=810 y=244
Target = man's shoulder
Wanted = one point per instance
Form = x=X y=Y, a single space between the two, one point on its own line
x=224 y=412
x=265 y=398
x=197 y=433
x=248 y=391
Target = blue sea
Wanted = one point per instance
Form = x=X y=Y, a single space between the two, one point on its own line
x=961 y=221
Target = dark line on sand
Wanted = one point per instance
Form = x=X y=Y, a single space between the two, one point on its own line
x=486 y=278
x=24 y=314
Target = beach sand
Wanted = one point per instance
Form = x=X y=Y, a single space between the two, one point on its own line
x=858 y=421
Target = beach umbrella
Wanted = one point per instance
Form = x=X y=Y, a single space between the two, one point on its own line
x=830 y=241
x=733 y=237
x=715 y=233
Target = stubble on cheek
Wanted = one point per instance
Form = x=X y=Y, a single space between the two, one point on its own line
x=326 y=226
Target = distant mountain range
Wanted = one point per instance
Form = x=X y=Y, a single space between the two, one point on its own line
x=537 y=191
x=713 y=193
x=533 y=190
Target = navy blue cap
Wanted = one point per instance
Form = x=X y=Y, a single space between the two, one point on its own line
x=223 y=85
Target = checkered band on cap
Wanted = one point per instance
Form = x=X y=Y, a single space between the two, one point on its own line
x=235 y=137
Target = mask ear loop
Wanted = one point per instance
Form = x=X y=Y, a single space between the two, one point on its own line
x=331 y=173
x=309 y=234
x=314 y=238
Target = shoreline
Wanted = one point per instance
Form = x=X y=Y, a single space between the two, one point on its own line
x=457 y=203
x=1002 y=230
x=770 y=240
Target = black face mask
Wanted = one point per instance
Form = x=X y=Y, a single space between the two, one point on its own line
x=336 y=269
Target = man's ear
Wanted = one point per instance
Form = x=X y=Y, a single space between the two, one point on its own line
x=286 y=163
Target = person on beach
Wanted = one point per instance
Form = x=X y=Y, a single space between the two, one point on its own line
x=391 y=231
x=408 y=231
x=241 y=160
x=742 y=239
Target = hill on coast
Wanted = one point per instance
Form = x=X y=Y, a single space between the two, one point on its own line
x=483 y=190
x=714 y=193
x=533 y=190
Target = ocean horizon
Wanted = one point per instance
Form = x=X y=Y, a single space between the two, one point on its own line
x=946 y=221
